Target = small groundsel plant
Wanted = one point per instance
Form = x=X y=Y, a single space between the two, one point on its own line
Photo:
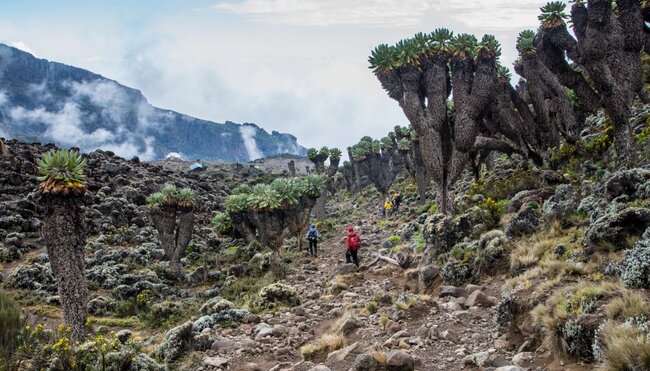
x=61 y=172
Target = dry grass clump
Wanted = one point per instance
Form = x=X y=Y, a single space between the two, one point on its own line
x=325 y=344
x=554 y=268
x=558 y=315
x=379 y=356
x=624 y=347
x=630 y=304
x=541 y=246
x=383 y=320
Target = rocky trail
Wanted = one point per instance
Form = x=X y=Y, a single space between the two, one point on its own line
x=454 y=329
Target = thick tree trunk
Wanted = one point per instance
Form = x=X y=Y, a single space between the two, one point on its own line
x=164 y=220
x=183 y=237
x=64 y=235
x=292 y=168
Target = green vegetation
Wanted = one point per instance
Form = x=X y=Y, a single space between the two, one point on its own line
x=169 y=195
x=11 y=325
x=62 y=172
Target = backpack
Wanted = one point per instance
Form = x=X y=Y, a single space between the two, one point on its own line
x=355 y=242
x=312 y=234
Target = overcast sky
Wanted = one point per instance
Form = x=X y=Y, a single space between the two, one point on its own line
x=296 y=66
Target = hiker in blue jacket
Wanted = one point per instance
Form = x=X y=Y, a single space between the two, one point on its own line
x=313 y=236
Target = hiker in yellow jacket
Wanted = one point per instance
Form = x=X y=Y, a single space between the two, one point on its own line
x=388 y=207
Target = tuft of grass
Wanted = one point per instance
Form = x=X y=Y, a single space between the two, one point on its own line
x=47 y=311
x=11 y=324
x=371 y=307
x=326 y=344
x=383 y=320
x=380 y=357
x=131 y=322
x=554 y=268
x=624 y=347
x=630 y=304
x=394 y=239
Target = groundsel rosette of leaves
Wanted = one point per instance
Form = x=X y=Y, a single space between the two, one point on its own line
x=170 y=195
x=62 y=172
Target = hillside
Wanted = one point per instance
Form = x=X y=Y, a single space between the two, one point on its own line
x=42 y=101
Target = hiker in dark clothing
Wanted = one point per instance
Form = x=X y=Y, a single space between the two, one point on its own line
x=352 y=244
x=397 y=200
x=312 y=237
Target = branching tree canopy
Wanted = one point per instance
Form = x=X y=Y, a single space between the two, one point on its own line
x=448 y=88
x=273 y=210
x=606 y=69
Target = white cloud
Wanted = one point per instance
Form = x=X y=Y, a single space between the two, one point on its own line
x=330 y=12
x=493 y=15
x=3 y=98
x=248 y=136
x=22 y=46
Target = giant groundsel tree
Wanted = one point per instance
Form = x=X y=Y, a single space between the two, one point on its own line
x=447 y=87
x=62 y=187
x=274 y=210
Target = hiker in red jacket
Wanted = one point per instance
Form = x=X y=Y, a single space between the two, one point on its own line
x=352 y=244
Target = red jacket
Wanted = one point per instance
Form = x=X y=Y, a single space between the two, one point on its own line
x=352 y=241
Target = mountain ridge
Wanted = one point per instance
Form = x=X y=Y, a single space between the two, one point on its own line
x=45 y=101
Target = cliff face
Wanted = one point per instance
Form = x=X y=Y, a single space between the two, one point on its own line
x=42 y=101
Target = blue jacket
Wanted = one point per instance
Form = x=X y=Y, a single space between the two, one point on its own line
x=312 y=233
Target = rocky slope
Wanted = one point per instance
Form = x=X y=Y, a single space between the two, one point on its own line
x=42 y=101
x=519 y=278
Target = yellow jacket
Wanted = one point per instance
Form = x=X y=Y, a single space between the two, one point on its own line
x=388 y=205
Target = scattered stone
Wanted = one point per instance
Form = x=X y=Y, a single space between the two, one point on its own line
x=480 y=299
x=399 y=360
x=452 y=291
x=215 y=361
x=347 y=268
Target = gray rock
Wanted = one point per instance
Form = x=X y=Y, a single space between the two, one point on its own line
x=176 y=342
x=366 y=362
x=452 y=291
x=525 y=222
x=347 y=268
x=343 y=354
x=478 y=298
x=320 y=368
x=399 y=360
x=563 y=202
x=480 y=359
x=633 y=182
x=427 y=276
x=613 y=229
x=215 y=361
x=521 y=359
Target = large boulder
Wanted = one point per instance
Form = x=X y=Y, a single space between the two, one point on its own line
x=176 y=342
x=564 y=201
x=441 y=233
x=612 y=230
x=525 y=222
x=399 y=360
x=427 y=277
x=278 y=294
x=634 y=183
